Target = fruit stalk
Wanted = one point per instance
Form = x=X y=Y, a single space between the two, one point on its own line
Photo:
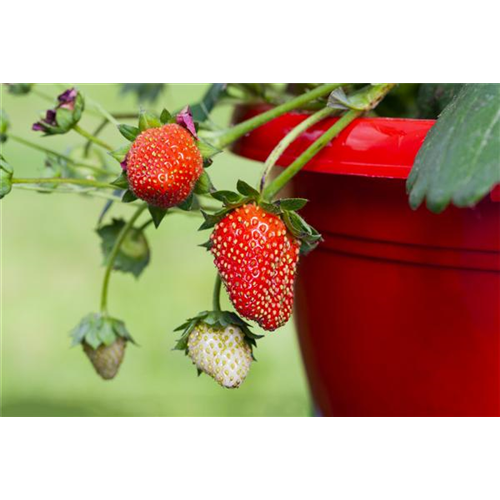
x=216 y=294
x=79 y=163
x=59 y=180
x=364 y=101
x=91 y=137
x=221 y=140
x=274 y=187
x=112 y=256
x=288 y=139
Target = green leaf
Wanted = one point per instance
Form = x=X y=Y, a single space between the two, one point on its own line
x=130 y=133
x=6 y=172
x=148 y=120
x=459 y=161
x=202 y=109
x=188 y=204
x=120 y=154
x=204 y=184
x=292 y=203
x=157 y=215
x=434 y=97
x=128 y=196
x=64 y=119
x=166 y=116
x=228 y=197
x=247 y=190
x=121 y=181
x=206 y=149
x=271 y=208
x=212 y=219
x=134 y=254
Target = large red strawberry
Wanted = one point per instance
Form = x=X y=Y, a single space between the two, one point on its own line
x=257 y=258
x=163 y=165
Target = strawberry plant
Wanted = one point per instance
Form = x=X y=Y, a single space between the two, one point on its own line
x=257 y=237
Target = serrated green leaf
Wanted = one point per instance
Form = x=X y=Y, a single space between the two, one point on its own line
x=157 y=215
x=121 y=330
x=459 y=160
x=165 y=116
x=128 y=196
x=129 y=132
x=134 y=254
x=106 y=333
x=148 y=120
x=247 y=190
x=121 y=181
x=292 y=203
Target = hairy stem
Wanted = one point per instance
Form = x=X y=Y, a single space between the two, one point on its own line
x=288 y=139
x=59 y=180
x=91 y=137
x=76 y=163
x=365 y=100
x=216 y=294
x=112 y=256
x=221 y=140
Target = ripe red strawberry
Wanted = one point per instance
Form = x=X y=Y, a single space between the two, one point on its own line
x=257 y=257
x=163 y=165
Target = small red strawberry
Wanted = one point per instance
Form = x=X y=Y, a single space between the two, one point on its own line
x=163 y=165
x=257 y=258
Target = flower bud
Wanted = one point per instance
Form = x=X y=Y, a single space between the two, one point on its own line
x=4 y=125
x=65 y=116
x=6 y=172
x=19 y=88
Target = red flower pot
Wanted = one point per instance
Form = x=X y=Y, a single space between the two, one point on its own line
x=398 y=310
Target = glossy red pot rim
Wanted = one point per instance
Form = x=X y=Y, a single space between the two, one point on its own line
x=374 y=147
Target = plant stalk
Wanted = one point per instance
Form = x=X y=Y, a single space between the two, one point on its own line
x=216 y=294
x=59 y=180
x=288 y=139
x=91 y=137
x=112 y=256
x=221 y=140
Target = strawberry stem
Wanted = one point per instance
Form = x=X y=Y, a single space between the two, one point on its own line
x=60 y=180
x=76 y=163
x=288 y=139
x=366 y=100
x=91 y=137
x=112 y=256
x=216 y=294
x=222 y=139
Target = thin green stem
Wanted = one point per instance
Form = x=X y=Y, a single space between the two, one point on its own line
x=77 y=163
x=221 y=140
x=87 y=192
x=60 y=180
x=105 y=113
x=92 y=138
x=146 y=224
x=288 y=139
x=97 y=131
x=112 y=256
x=280 y=181
x=216 y=294
x=361 y=102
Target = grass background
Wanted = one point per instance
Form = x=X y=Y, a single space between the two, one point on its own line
x=52 y=273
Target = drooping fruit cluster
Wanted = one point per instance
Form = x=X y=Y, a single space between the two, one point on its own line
x=257 y=258
x=106 y=359
x=221 y=353
x=163 y=165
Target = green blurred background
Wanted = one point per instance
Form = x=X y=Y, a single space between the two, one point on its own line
x=52 y=272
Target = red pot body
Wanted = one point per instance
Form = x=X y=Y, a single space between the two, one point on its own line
x=398 y=310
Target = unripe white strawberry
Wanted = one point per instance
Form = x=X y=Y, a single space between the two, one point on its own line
x=221 y=353
x=106 y=359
